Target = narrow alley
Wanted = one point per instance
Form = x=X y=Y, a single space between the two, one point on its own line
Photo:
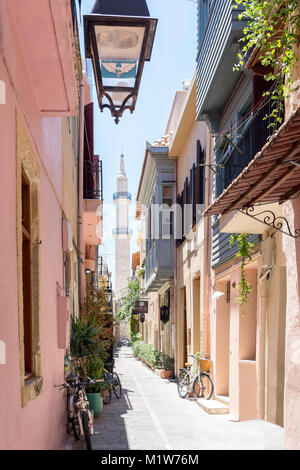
x=151 y=416
x=150 y=196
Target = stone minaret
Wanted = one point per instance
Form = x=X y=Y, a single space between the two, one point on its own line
x=122 y=235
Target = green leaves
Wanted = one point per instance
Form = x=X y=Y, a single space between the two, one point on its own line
x=127 y=301
x=273 y=27
x=84 y=337
x=244 y=252
x=152 y=356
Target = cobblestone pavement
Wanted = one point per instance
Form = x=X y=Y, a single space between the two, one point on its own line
x=151 y=416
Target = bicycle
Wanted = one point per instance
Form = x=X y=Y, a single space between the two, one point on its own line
x=79 y=413
x=197 y=380
x=113 y=384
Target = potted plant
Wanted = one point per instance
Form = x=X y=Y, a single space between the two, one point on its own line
x=166 y=365
x=94 y=369
x=89 y=350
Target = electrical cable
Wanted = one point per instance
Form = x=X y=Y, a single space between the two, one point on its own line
x=244 y=118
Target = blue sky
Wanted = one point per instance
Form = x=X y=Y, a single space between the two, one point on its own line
x=173 y=60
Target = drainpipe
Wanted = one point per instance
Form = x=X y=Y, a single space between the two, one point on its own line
x=262 y=346
x=81 y=272
x=207 y=250
x=175 y=277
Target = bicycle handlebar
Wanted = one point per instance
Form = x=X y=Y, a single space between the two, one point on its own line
x=78 y=384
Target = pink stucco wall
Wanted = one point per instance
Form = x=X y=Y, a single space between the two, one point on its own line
x=291 y=248
x=40 y=424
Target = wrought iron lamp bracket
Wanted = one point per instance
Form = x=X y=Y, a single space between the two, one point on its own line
x=117 y=113
x=269 y=218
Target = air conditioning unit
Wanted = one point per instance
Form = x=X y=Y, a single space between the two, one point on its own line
x=67 y=236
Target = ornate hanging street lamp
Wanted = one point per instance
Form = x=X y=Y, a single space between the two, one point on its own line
x=142 y=317
x=119 y=37
x=164 y=314
x=109 y=296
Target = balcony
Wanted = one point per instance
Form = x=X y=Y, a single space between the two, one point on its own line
x=49 y=50
x=159 y=264
x=235 y=153
x=217 y=54
x=92 y=202
x=93 y=179
x=239 y=152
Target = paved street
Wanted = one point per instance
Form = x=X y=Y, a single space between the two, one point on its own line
x=151 y=416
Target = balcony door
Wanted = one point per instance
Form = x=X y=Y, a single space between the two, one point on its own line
x=222 y=338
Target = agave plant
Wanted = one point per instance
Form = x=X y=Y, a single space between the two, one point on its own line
x=84 y=337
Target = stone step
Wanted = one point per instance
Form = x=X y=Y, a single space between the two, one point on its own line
x=213 y=407
x=223 y=399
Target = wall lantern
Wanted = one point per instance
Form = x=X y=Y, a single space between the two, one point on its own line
x=142 y=317
x=164 y=314
x=119 y=37
x=109 y=295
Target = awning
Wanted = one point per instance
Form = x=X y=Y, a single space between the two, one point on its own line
x=272 y=175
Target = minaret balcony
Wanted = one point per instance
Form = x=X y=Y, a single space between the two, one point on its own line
x=122 y=233
x=122 y=195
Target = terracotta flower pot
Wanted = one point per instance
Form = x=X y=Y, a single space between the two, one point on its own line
x=166 y=374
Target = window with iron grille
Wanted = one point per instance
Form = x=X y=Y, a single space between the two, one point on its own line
x=193 y=194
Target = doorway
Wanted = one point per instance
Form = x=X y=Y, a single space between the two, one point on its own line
x=185 y=332
x=196 y=316
x=222 y=337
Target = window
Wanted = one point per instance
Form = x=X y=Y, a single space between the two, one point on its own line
x=193 y=194
x=28 y=261
x=26 y=276
x=167 y=214
x=200 y=175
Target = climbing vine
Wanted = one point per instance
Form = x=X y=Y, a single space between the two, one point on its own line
x=129 y=295
x=244 y=252
x=272 y=26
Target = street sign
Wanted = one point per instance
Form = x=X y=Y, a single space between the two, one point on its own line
x=141 y=306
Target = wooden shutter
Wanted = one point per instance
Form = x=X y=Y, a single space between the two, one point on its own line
x=200 y=175
x=89 y=184
x=194 y=201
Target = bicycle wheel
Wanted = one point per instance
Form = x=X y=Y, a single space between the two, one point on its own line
x=107 y=394
x=116 y=385
x=183 y=383
x=203 y=386
x=86 y=429
x=75 y=427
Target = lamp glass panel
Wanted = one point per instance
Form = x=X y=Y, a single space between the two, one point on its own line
x=118 y=97
x=119 y=49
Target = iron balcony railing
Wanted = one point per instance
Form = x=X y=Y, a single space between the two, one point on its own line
x=236 y=152
x=159 y=265
x=93 y=180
